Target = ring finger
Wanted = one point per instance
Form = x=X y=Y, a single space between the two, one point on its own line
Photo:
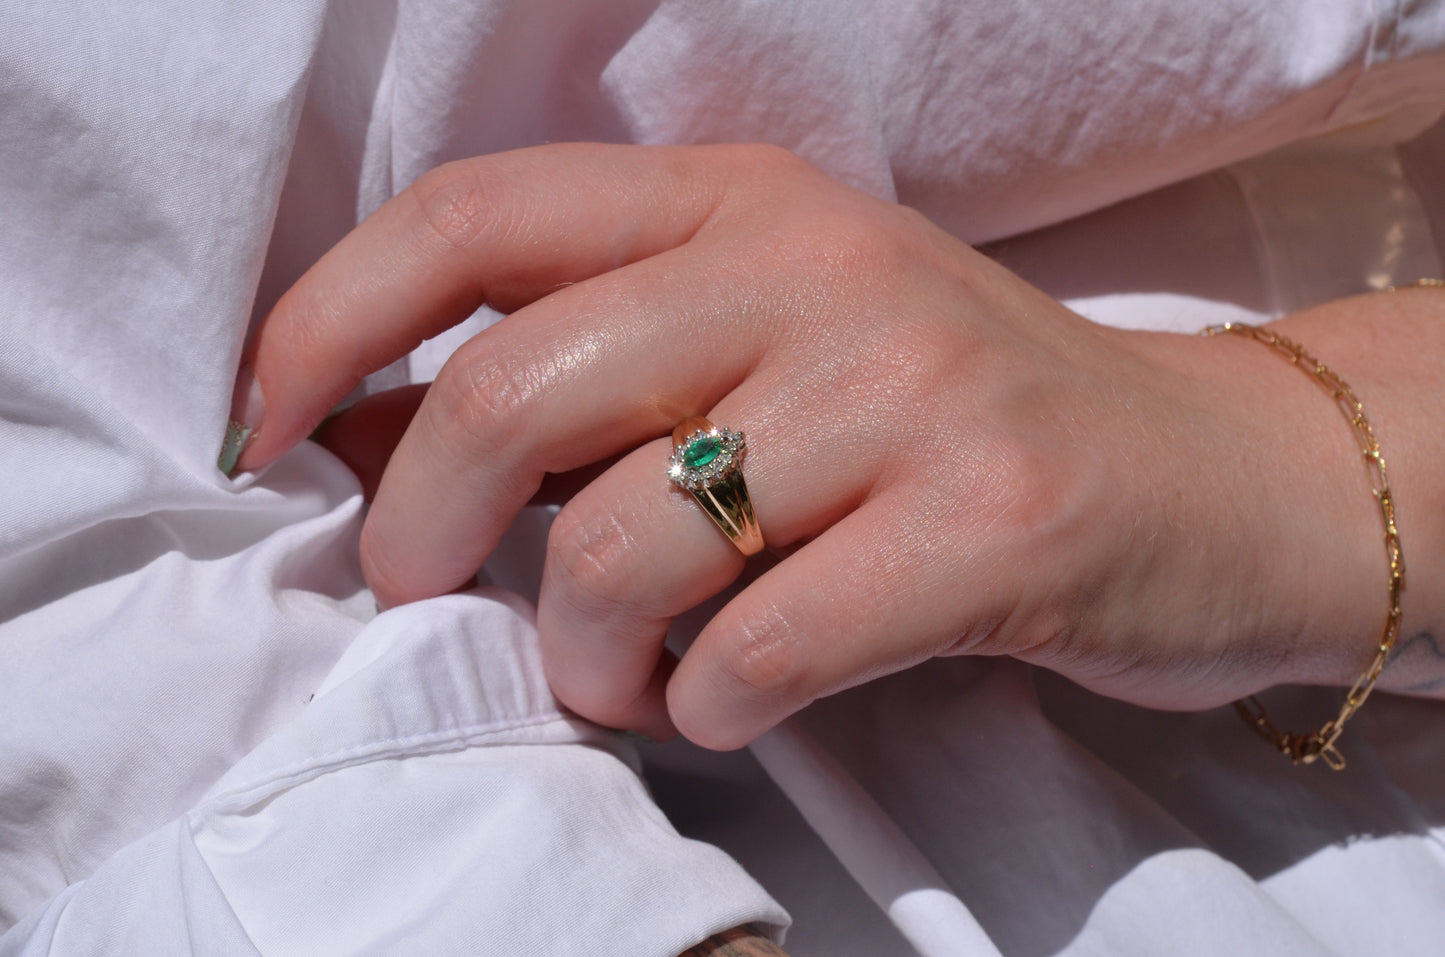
x=633 y=550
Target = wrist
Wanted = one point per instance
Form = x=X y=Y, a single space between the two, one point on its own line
x=1281 y=527
x=1389 y=346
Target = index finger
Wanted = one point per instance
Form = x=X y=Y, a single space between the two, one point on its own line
x=501 y=230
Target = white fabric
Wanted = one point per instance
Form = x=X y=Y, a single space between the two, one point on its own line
x=211 y=744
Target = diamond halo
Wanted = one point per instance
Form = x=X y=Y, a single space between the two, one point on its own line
x=706 y=457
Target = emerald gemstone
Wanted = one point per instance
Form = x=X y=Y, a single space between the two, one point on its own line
x=701 y=452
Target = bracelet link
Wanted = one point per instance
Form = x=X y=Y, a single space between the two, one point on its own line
x=1320 y=745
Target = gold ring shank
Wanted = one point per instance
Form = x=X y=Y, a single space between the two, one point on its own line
x=731 y=508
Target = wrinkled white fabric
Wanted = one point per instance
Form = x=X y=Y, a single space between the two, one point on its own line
x=167 y=782
x=211 y=744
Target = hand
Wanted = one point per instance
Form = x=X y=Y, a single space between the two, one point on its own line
x=746 y=941
x=956 y=463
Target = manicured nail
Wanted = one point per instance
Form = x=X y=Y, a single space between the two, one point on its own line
x=247 y=408
x=237 y=435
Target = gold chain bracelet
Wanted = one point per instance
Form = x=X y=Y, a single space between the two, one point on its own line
x=1305 y=748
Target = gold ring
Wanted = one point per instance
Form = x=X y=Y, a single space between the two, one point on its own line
x=708 y=462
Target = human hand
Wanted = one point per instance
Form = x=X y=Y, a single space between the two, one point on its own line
x=956 y=462
x=745 y=941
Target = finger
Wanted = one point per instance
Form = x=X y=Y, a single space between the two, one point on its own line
x=365 y=435
x=624 y=557
x=504 y=229
x=567 y=381
x=631 y=551
x=868 y=597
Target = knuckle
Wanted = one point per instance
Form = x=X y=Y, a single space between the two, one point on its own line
x=912 y=217
x=763 y=660
x=851 y=237
x=757 y=177
x=588 y=556
x=485 y=399
x=770 y=156
x=864 y=244
x=846 y=246
x=1025 y=489
x=456 y=202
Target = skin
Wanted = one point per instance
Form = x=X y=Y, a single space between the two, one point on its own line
x=745 y=941
x=951 y=461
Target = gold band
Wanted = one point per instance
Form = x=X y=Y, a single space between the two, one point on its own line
x=707 y=461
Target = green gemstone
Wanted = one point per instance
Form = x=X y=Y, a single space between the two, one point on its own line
x=701 y=452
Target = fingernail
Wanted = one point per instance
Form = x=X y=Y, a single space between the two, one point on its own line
x=247 y=408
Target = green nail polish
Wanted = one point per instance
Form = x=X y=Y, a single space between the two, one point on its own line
x=237 y=435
